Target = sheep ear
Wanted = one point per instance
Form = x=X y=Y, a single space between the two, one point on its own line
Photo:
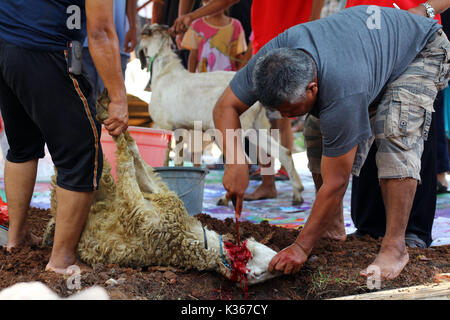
x=143 y=59
x=146 y=30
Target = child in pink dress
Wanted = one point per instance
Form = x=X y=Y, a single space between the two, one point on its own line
x=216 y=42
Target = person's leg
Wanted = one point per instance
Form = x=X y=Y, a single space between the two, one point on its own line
x=19 y=185
x=367 y=207
x=313 y=143
x=70 y=220
x=421 y=219
x=398 y=195
x=443 y=161
x=286 y=140
x=336 y=231
x=266 y=190
x=25 y=147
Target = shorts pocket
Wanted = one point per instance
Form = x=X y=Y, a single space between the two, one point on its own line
x=406 y=124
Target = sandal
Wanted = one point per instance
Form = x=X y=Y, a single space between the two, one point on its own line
x=255 y=175
x=281 y=175
x=440 y=188
x=412 y=240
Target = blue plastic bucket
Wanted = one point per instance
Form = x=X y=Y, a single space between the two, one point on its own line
x=188 y=183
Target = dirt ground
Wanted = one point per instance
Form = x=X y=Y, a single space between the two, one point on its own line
x=331 y=271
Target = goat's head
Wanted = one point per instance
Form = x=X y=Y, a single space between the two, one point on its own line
x=154 y=38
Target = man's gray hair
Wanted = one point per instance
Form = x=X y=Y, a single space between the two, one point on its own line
x=282 y=75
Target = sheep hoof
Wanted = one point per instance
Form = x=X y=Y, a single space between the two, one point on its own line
x=223 y=202
x=297 y=202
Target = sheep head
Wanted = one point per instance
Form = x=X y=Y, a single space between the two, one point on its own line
x=257 y=266
x=154 y=38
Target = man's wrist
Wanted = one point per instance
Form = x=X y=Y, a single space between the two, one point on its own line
x=304 y=249
x=429 y=10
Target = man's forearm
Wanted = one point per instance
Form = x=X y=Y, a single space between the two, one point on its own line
x=158 y=11
x=326 y=204
x=226 y=118
x=439 y=6
x=185 y=7
x=104 y=49
x=212 y=8
x=131 y=13
x=316 y=9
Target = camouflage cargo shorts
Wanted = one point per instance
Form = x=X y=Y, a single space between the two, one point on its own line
x=400 y=120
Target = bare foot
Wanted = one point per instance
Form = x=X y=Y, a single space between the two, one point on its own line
x=442 y=179
x=70 y=269
x=390 y=261
x=337 y=233
x=262 y=192
x=28 y=240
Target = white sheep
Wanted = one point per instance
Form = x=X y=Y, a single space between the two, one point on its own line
x=181 y=98
x=139 y=222
x=38 y=291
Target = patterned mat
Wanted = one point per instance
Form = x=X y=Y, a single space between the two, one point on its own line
x=279 y=211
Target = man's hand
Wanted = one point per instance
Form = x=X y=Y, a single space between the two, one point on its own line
x=130 y=40
x=178 y=40
x=420 y=10
x=235 y=181
x=181 y=24
x=289 y=260
x=117 y=121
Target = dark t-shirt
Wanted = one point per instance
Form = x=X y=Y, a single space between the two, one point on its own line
x=46 y=25
x=355 y=59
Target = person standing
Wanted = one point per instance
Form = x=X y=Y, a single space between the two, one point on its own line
x=43 y=101
x=367 y=206
x=216 y=43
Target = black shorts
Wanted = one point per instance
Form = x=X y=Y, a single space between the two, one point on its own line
x=42 y=103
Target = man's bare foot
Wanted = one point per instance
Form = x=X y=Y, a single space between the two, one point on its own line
x=390 y=261
x=28 y=240
x=262 y=192
x=68 y=270
x=336 y=232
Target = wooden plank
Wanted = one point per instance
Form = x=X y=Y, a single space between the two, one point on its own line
x=138 y=122
x=139 y=114
x=422 y=292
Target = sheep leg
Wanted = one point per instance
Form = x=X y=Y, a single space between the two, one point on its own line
x=167 y=153
x=147 y=180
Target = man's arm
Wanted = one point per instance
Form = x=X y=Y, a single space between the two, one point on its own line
x=335 y=174
x=226 y=117
x=192 y=62
x=439 y=6
x=316 y=9
x=104 y=49
x=158 y=11
x=131 y=36
x=185 y=19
